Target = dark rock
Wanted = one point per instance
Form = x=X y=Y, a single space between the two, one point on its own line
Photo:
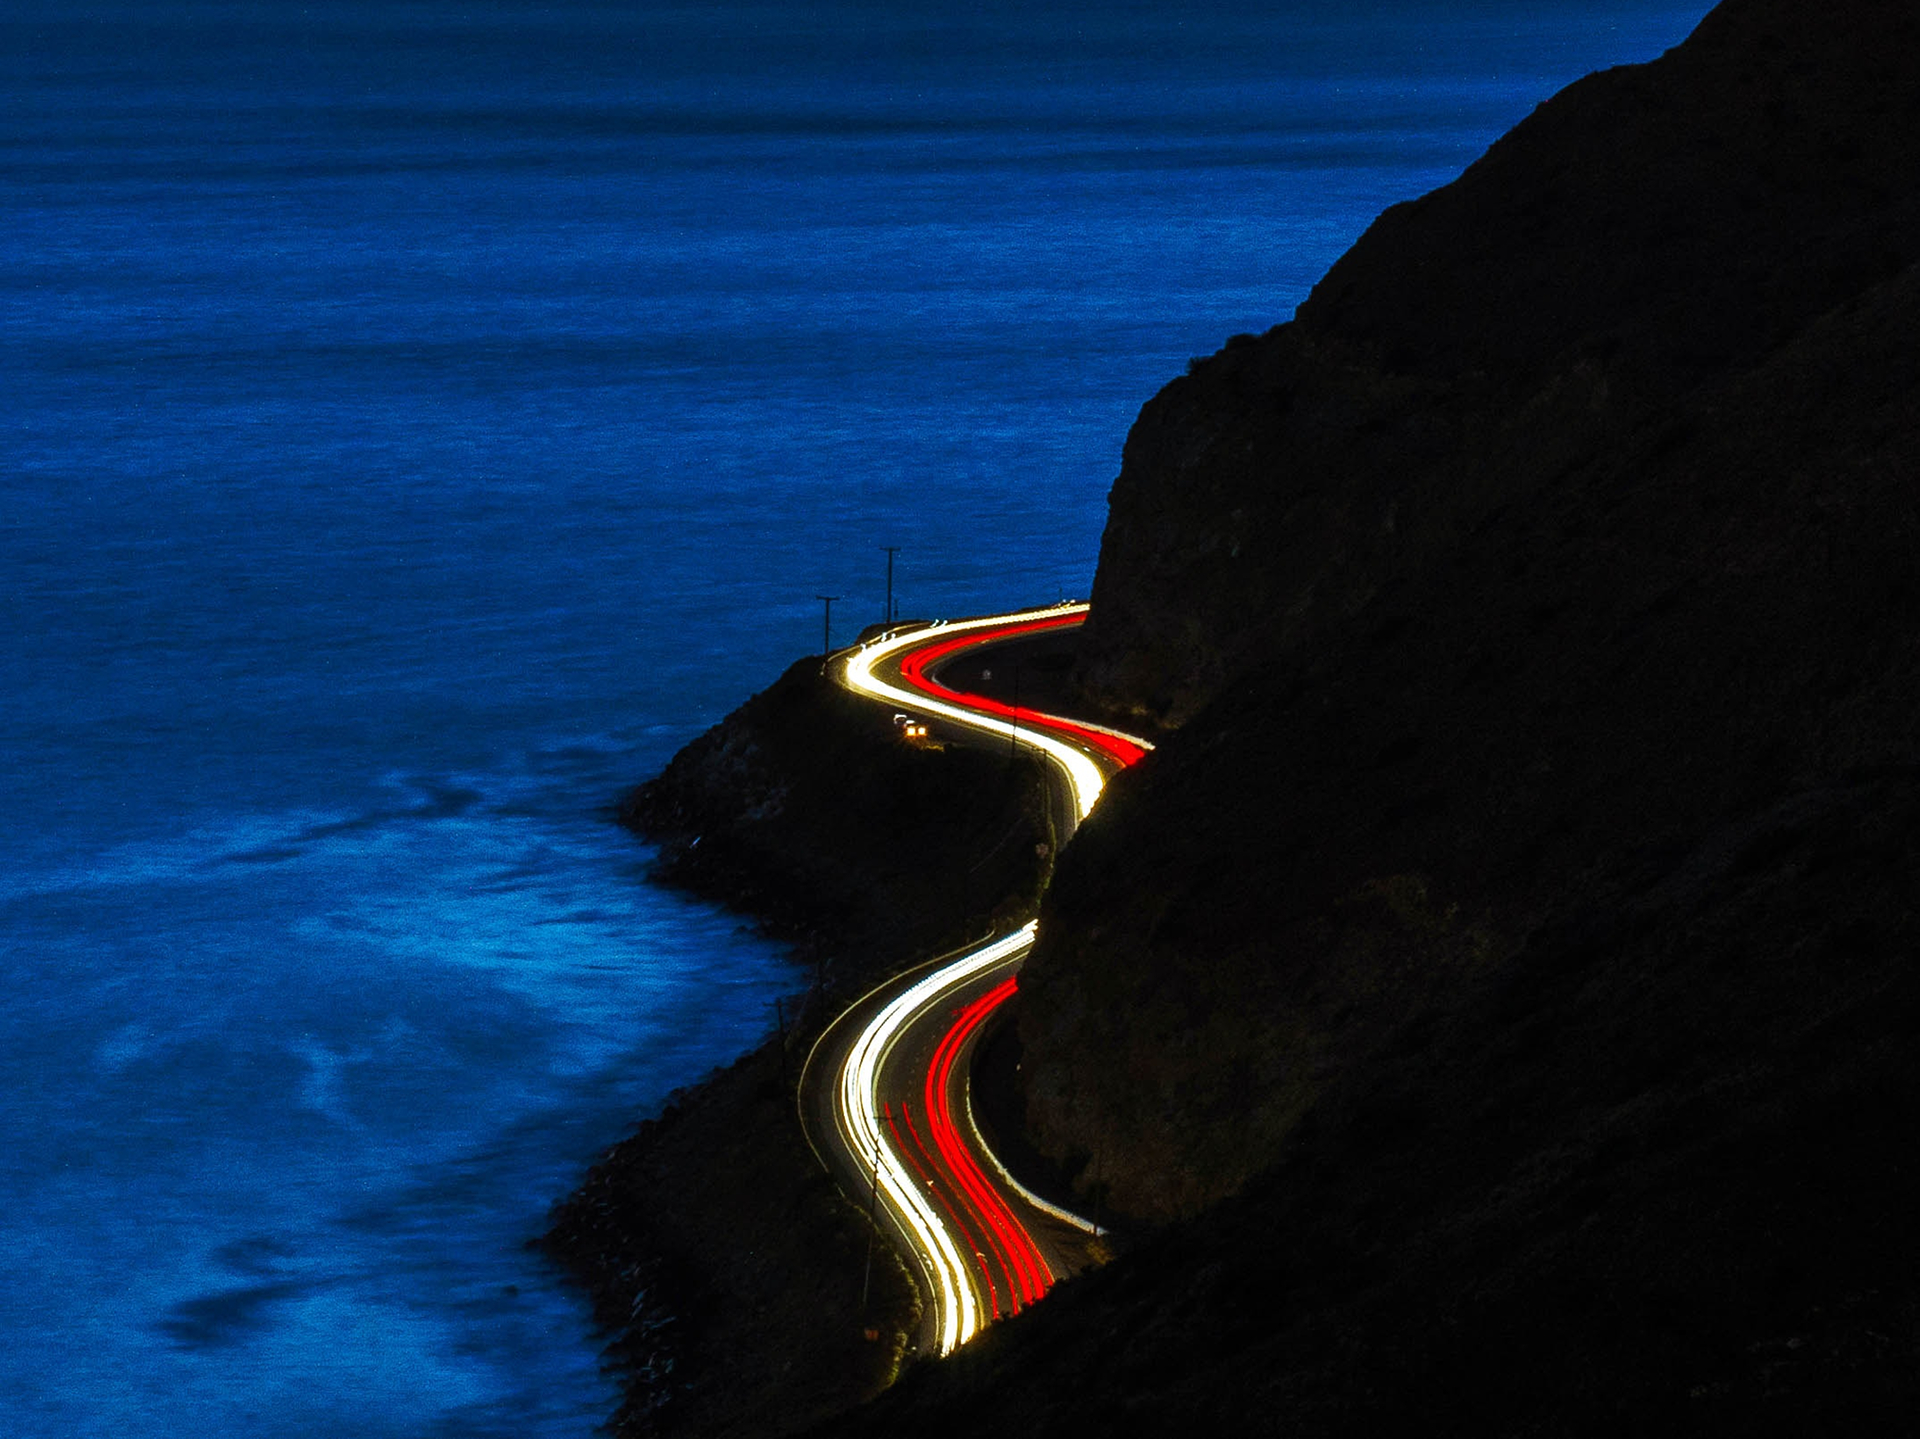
x=804 y=809
x=725 y=1267
x=1500 y=982
x=1644 y=235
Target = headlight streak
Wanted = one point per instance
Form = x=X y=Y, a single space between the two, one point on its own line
x=936 y=1241
x=1082 y=773
x=959 y=1318
x=928 y=1169
x=1122 y=750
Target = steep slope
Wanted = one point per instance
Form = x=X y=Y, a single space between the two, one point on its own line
x=1552 y=550
x=1706 y=620
x=1500 y=983
x=1650 y=229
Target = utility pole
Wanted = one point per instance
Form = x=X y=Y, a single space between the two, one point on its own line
x=826 y=630
x=873 y=1224
x=891 y=550
x=873 y=1220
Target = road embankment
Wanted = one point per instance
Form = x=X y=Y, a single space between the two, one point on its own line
x=806 y=810
x=724 y=1265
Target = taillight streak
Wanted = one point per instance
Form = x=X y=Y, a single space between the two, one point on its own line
x=903 y=1167
x=1027 y=1270
x=926 y=1171
x=915 y=663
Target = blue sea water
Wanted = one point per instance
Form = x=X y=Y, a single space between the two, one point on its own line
x=419 y=418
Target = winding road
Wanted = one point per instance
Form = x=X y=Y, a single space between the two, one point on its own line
x=885 y=1095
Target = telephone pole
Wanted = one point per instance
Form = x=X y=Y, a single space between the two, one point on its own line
x=826 y=629
x=873 y=1218
x=891 y=550
x=873 y=1226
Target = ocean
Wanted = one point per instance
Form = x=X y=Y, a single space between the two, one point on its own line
x=419 y=419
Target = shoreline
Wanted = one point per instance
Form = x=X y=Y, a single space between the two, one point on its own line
x=723 y=1263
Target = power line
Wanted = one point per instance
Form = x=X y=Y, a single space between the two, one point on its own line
x=826 y=630
x=891 y=550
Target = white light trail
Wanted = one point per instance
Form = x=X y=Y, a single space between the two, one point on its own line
x=1082 y=773
x=957 y=1306
x=1045 y=1207
x=959 y=1318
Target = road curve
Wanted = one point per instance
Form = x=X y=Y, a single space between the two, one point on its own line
x=885 y=1095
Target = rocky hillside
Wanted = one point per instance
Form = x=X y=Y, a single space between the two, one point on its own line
x=1500 y=985
x=727 y=1272
x=804 y=809
x=1644 y=236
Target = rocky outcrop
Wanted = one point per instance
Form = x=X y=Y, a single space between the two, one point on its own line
x=1573 y=518
x=805 y=809
x=1694 y=626
x=1649 y=231
x=738 y=1291
x=1495 y=996
x=729 y=1276
x=1499 y=984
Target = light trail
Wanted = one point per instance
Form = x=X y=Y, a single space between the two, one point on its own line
x=1123 y=750
x=1008 y=1179
x=949 y=1006
x=959 y=1318
x=1020 y=1259
x=979 y=713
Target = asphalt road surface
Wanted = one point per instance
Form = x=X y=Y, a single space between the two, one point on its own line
x=885 y=1095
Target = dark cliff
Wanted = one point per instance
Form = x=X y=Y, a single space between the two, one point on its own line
x=1500 y=984
x=1644 y=235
